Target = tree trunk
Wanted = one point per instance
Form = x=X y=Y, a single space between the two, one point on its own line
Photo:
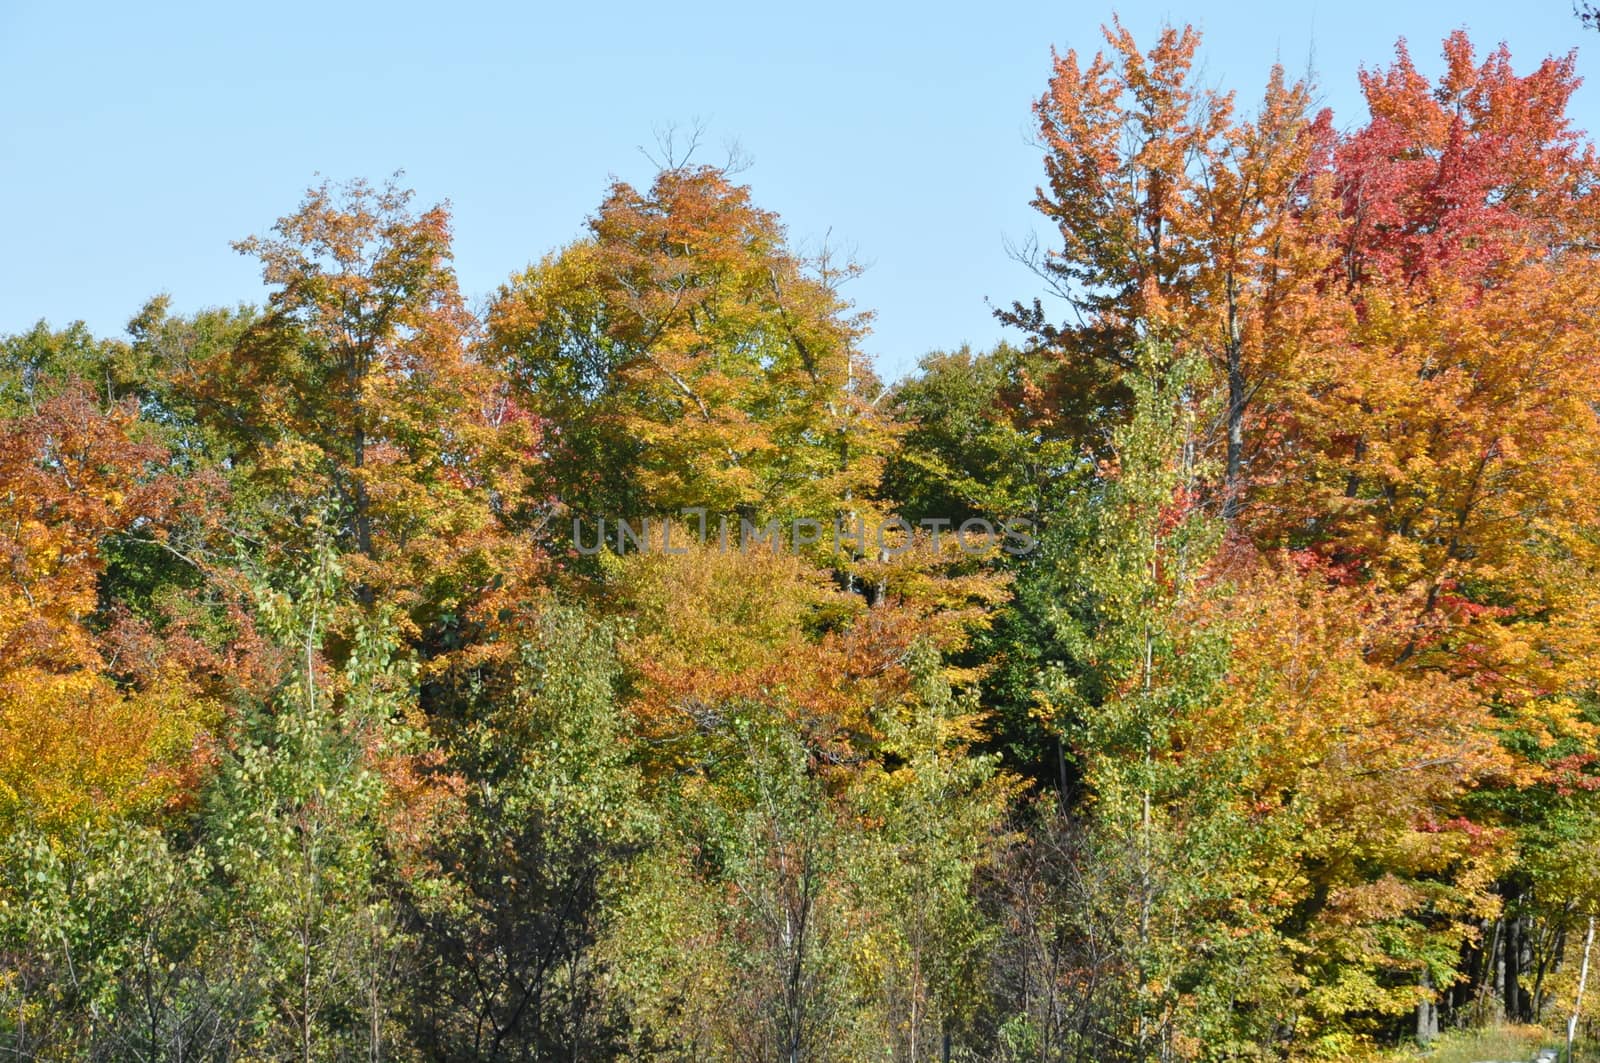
x=1517 y=1000
x=1583 y=981
x=1233 y=484
x=1233 y=477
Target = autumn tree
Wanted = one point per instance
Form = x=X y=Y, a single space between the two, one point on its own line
x=1457 y=402
x=1178 y=223
x=1445 y=437
x=684 y=354
x=367 y=406
x=107 y=726
x=78 y=746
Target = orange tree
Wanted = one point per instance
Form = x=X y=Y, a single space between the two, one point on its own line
x=76 y=745
x=1180 y=222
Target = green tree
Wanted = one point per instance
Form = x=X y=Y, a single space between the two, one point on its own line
x=550 y=823
x=981 y=437
x=928 y=819
x=1135 y=923
x=296 y=823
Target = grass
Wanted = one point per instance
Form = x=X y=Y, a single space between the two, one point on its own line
x=1516 y=1044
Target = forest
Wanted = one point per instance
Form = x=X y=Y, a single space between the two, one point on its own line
x=623 y=669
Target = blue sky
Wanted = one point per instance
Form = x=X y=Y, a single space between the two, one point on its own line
x=138 y=139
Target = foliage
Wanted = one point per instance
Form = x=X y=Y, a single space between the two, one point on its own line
x=1279 y=738
x=685 y=356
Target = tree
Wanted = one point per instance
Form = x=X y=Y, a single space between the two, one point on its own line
x=366 y=404
x=1123 y=671
x=930 y=815
x=980 y=438
x=106 y=950
x=300 y=826
x=684 y=355
x=549 y=825
x=786 y=727
x=1367 y=777
x=76 y=747
x=1179 y=223
x=41 y=363
x=1456 y=402
x=1439 y=451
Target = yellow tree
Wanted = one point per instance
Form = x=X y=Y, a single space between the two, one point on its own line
x=1444 y=439
x=1361 y=776
x=75 y=746
x=684 y=355
x=357 y=399
x=1434 y=464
